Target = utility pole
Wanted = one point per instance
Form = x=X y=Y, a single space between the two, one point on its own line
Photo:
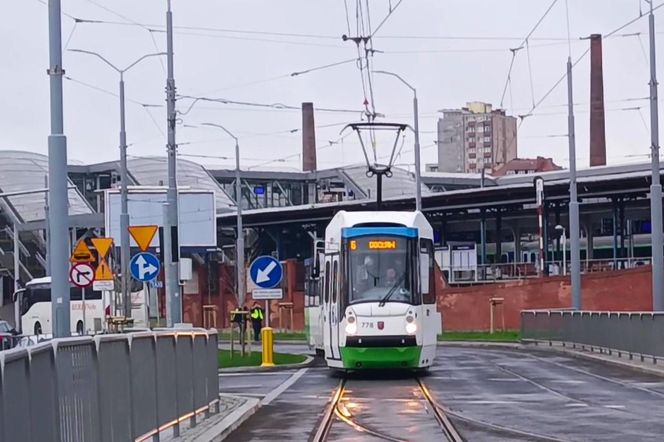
x=416 y=129
x=239 y=244
x=655 y=186
x=171 y=265
x=57 y=178
x=575 y=260
x=418 y=178
x=125 y=242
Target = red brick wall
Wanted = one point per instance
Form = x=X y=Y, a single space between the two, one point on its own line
x=467 y=308
x=224 y=299
x=463 y=308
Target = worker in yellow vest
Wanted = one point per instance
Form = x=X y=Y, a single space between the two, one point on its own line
x=257 y=315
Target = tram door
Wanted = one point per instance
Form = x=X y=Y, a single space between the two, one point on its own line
x=327 y=331
x=334 y=308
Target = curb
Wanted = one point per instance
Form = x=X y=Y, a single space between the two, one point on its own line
x=306 y=363
x=481 y=344
x=231 y=422
x=595 y=358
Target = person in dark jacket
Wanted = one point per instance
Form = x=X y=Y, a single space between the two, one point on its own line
x=257 y=315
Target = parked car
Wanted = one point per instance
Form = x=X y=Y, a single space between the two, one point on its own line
x=7 y=335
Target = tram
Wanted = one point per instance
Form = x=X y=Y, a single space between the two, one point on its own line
x=375 y=304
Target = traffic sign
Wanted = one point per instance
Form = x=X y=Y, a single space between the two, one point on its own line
x=257 y=294
x=82 y=275
x=144 y=266
x=143 y=235
x=266 y=272
x=103 y=285
x=82 y=253
x=103 y=246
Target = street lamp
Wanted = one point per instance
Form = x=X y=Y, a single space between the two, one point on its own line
x=416 y=129
x=563 y=234
x=124 y=193
x=239 y=245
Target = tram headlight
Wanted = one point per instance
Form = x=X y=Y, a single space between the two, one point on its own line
x=411 y=328
x=351 y=328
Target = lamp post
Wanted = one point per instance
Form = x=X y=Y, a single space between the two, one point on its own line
x=124 y=192
x=416 y=130
x=563 y=234
x=239 y=245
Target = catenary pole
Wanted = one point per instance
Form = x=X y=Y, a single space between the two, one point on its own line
x=57 y=178
x=655 y=187
x=575 y=260
x=171 y=266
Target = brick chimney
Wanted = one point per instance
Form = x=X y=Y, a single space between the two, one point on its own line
x=308 y=138
x=597 y=133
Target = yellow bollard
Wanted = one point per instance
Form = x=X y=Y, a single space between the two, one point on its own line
x=268 y=347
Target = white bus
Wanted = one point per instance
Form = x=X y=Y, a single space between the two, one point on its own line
x=34 y=303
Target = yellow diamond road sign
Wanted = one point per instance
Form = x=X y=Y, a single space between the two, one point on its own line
x=143 y=235
x=103 y=246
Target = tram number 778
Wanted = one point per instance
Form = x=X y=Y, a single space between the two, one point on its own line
x=367 y=325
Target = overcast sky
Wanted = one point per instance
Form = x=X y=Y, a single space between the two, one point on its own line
x=453 y=51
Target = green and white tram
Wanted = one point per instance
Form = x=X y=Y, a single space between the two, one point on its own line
x=376 y=306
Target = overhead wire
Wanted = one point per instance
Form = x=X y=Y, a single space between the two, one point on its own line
x=134 y=22
x=578 y=59
x=520 y=46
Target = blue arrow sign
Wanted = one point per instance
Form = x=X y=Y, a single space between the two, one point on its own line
x=266 y=272
x=144 y=266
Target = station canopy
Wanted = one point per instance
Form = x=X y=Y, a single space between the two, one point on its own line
x=27 y=171
x=153 y=171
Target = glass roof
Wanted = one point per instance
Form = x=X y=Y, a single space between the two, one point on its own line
x=401 y=183
x=21 y=171
x=153 y=171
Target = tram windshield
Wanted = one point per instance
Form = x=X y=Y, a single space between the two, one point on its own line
x=380 y=269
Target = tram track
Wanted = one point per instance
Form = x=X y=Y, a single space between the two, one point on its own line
x=337 y=409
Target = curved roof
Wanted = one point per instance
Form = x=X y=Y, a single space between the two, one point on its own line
x=153 y=171
x=25 y=171
x=401 y=183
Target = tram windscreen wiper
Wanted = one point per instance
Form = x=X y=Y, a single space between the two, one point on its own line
x=391 y=291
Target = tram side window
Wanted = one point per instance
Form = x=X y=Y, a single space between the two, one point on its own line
x=427 y=282
x=326 y=288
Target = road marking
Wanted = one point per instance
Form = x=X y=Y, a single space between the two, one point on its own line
x=283 y=387
x=267 y=373
x=576 y=405
x=567 y=381
x=504 y=380
x=476 y=402
x=615 y=407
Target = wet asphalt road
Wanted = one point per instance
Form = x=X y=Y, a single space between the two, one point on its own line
x=491 y=395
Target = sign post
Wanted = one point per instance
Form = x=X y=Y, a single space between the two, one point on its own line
x=145 y=267
x=266 y=272
x=81 y=273
x=103 y=275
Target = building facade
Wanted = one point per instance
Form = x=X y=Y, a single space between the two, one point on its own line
x=475 y=137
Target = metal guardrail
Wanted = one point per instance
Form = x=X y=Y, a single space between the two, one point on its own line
x=108 y=388
x=634 y=333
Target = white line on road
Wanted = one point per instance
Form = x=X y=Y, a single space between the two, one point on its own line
x=267 y=373
x=283 y=387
